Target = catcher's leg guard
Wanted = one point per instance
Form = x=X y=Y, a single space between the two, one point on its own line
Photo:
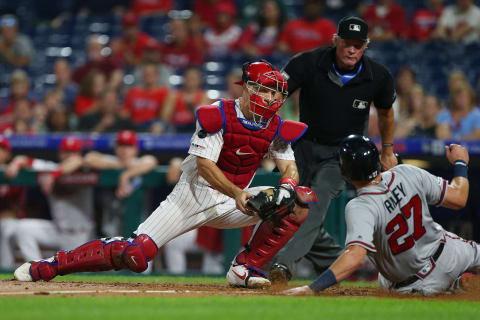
x=98 y=255
x=268 y=239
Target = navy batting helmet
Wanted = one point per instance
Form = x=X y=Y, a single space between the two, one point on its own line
x=359 y=158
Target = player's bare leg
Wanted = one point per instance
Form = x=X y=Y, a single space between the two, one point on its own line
x=97 y=255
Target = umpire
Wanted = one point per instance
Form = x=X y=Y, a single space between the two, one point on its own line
x=338 y=84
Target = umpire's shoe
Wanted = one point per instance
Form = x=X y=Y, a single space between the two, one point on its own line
x=279 y=274
x=241 y=275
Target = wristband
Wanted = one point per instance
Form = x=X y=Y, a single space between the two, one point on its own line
x=325 y=280
x=460 y=169
x=57 y=173
x=289 y=181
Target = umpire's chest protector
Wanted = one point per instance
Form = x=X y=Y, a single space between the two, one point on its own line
x=243 y=149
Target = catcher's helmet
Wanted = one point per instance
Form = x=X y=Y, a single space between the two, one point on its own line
x=268 y=90
x=359 y=158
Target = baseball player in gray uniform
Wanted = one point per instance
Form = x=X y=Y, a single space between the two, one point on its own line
x=390 y=222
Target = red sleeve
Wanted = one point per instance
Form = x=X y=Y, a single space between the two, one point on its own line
x=127 y=105
x=247 y=36
x=285 y=34
x=398 y=21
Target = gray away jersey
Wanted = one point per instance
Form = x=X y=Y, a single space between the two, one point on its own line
x=392 y=221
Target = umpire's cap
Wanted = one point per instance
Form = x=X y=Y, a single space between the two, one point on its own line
x=359 y=158
x=353 y=28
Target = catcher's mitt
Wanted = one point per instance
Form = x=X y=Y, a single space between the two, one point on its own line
x=273 y=203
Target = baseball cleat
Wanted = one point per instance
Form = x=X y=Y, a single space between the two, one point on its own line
x=37 y=270
x=279 y=274
x=241 y=275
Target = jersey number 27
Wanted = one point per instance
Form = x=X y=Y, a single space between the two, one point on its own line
x=400 y=220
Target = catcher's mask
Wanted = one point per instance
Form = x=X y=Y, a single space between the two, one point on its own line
x=267 y=89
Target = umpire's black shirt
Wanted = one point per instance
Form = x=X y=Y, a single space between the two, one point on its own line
x=332 y=109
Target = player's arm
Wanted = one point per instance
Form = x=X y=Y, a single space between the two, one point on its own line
x=341 y=269
x=209 y=170
x=145 y=164
x=457 y=191
x=386 y=126
x=15 y=166
x=99 y=161
x=288 y=169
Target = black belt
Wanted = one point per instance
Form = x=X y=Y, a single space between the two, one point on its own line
x=417 y=276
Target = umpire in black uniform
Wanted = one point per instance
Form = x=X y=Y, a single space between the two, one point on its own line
x=338 y=85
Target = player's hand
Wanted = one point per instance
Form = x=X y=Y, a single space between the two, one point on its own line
x=388 y=160
x=241 y=202
x=124 y=188
x=455 y=152
x=12 y=170
x=298 y=291
x=47 y=182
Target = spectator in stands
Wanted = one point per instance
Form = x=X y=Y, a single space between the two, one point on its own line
x=260 y=38
x=71 y=206
x=222 y=38
x=19 y=90
x=12 y=205
x=52 y=100
x=405 y=81
x=456 y=78
x=90 y=89
x=57 y=121
x=128 y=50
x=126 y=157
x=459 y=22
x=427 y=125
x=63 y=82
x=234 y=91
x=153 y=55
x=180 y=108
x=416 y=101
x=207 y=9
x=308 y=32
x=16 y=50
x=151 y=7
x=424 y=20
x=23 y=120
x=144 y=104
x=97 y=60
x=106 y=117
x=386 y=21
x=180 y=51
x=461 y=120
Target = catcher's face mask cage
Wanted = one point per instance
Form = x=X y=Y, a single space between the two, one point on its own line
x=267 y=90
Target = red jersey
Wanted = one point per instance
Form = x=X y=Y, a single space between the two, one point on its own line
x=302 y=35
x=206 y=10
x=84 y=104
x=138 y=47
x=423 y=23
x=392 y=18
x=184 y=113
x=144 y=105
x=145 y=7
x=182 y=56
x=264 y=42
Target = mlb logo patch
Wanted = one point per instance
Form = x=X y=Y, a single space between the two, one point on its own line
x=354 y=27
x=360 y=104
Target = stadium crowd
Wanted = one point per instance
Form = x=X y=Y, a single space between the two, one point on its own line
x=144 y=66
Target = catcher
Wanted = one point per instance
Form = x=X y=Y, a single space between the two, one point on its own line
x=231 y=139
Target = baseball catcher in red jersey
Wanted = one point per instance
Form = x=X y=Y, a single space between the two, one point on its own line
x=231 y=140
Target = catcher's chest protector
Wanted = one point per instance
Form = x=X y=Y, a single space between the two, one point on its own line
x=243 y=149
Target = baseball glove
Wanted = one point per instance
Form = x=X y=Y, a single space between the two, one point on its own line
x=273 y=203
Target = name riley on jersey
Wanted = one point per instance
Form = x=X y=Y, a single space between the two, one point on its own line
x=396 y=195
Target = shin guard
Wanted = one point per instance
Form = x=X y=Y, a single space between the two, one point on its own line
x=99 y=255
x=267 y=240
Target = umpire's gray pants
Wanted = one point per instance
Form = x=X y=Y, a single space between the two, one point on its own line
x=319 y=169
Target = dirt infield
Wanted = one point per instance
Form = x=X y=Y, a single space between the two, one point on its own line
x=9 y=288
